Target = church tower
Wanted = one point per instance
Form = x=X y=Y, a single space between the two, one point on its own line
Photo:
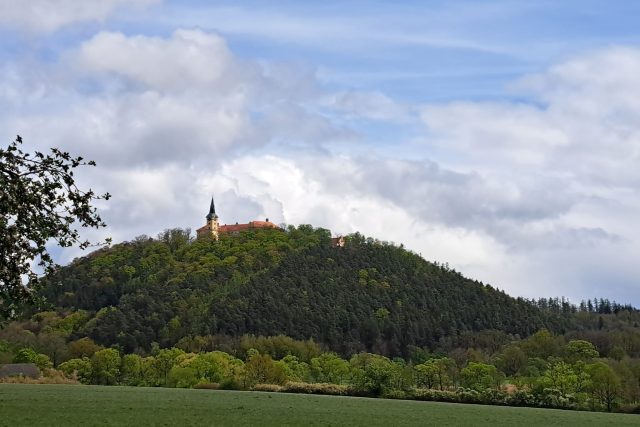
x=212 y=221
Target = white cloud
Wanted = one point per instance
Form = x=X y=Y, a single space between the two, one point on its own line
x=187 y=58
x=527 y=196
x=50 y=15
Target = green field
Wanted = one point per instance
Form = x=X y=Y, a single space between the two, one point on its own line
x=56 y=405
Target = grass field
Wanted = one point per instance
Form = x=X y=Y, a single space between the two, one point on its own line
x=59 y=405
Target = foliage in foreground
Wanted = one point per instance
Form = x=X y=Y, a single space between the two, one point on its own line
x=551 y=374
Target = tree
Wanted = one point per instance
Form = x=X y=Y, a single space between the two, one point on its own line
x=512 y=360
x=561 y=377
x=372 y=373
x=427 y=374
x=329 y=368
x=481 y=376
x=83 y=347
x=79 y=368
x=605 y=384
x=28 y=355
x=580 y=350
x=39 y=202
x=105 y=366
x=261 y=369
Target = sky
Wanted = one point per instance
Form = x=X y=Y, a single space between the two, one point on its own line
x=501 y=137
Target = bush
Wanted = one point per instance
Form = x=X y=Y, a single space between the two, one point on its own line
x=321 y=388
x=521 y=398
x=51 y=376
x=274 y=388
x=79 y=369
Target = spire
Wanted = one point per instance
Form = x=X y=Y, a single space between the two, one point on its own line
x=212 y=210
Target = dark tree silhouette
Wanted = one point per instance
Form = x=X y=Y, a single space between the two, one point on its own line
x=39 y=202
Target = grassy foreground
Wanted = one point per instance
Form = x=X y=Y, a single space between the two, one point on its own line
x=60 y=405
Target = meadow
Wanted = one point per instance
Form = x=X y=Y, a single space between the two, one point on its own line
x=60 y=405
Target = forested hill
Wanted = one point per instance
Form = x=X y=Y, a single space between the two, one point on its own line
x=366 y=296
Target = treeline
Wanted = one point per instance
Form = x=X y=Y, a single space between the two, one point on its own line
x=563 y=306
x=543 y=370
x=369 y=296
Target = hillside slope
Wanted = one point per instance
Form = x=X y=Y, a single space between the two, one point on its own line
x=368 y=295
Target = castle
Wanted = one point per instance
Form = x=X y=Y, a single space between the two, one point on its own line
x=214 y=229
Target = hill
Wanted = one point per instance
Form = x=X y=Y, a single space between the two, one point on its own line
x=367 y=296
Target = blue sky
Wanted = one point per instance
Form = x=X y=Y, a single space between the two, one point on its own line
x=499 y=136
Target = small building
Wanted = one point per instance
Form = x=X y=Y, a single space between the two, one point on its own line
x=338 y=241
x=19 y=369
x=214 y=229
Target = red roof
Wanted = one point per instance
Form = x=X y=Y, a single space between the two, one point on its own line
x=236 y=228
x=230 y=228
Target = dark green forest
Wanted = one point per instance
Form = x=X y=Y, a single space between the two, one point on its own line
x=367 y=296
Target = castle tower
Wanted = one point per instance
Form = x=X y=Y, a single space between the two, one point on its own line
x=212 y=221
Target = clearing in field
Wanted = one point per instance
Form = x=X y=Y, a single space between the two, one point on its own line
x=60 y=405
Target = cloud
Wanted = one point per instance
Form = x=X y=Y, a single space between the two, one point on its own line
x=534 y=197
x=133 y=101
x=188 y=58
x=370 y=105
x=50 y=15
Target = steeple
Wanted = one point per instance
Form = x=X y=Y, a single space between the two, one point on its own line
x=212 y=211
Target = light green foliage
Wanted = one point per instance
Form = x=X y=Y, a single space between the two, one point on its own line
x=605 y=384
x=212 y=367
x=79 y=368
x=560 y=376
x=261 y=369
x=163 y=361
x=329 y=368
x=294 y=369
x=576 y=350
x=435 y=373
x=280 y=346
x=73 y=321
x=105 y=366
x=132 y=370
x=427 y=374
x=373 y=374
x=28 y=355
x=182 y=377
x=481 y=376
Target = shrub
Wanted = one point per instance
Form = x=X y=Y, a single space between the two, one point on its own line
x=521 y=398
x=79 y=369
x=51 y=376
x=321 y=388
x=274 y=388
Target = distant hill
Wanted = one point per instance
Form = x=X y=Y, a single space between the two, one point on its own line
x=366 y=296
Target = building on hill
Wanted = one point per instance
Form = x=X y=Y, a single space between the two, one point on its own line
x=214 y=229
x=338 y=241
